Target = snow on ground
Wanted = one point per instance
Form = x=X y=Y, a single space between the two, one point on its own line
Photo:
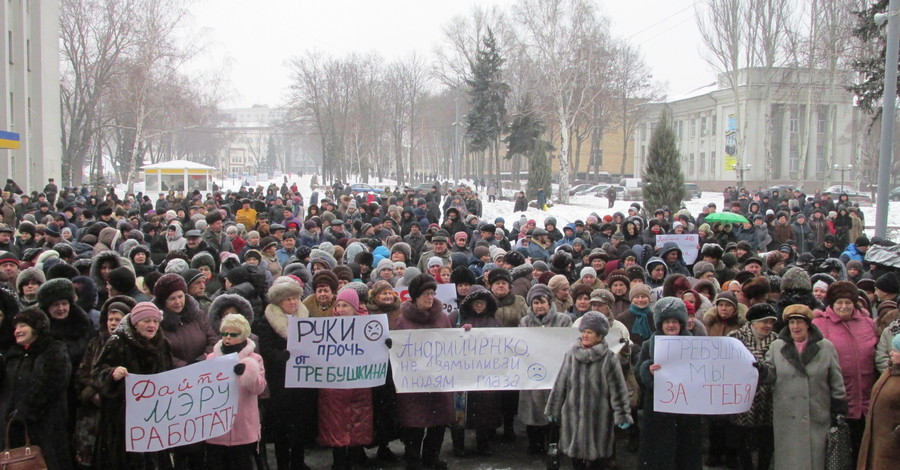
x=579 y=207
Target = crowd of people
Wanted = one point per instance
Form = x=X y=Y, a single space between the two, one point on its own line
x=95 y=286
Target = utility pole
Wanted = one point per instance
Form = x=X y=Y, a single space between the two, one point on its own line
x=457 y=147
x=888 y=114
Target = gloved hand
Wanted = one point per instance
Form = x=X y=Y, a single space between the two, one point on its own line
x=624 y=425
x=763 y=371
x=388 y=342
x=286 y=355
x=239 y=368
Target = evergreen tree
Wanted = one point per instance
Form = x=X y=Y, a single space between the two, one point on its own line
x=870 y=90
x=271 y=154
x=663 y=178
x=526 y=139
x=487 y=95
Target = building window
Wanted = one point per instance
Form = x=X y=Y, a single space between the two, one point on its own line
x=714 y=124
x=679 y=126
x=693 y=128
x=820 y=124
x=691 y=165
x=702 y=168
x=702 y=126
x=652 y=129
x=712 y=162
x=793 y=163
x=643 y=151
x=795 y=125
x=643 y=133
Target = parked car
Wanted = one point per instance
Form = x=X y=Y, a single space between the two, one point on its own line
x=577 y=188
x=592 y=189
x=895 y=194
x=852 y=193
x=692 y=191
x=620 y=192
x=360 y=187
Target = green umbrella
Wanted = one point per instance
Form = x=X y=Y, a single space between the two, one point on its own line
x=727 y=217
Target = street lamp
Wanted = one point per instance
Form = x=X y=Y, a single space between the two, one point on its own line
x=740 y=171
x=843 y=170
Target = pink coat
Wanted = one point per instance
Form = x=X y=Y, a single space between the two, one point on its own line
x=252 y=382
x=855 y=342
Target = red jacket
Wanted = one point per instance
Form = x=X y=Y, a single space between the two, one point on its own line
x=855 y=342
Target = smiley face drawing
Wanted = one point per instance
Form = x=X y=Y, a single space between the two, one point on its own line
x=536 y=372
x=373 y=330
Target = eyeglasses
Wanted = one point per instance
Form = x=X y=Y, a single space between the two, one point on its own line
x=225 y=334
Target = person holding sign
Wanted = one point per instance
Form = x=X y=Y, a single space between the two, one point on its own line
x=137 y=346
x=668 y=441
x=808 y=392
x=589 y=396
x=290 y=418
x=423 y=416
x=532 y=403
x=234 y=450
x=345 y=415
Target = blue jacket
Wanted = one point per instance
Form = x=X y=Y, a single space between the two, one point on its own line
x=851 y=253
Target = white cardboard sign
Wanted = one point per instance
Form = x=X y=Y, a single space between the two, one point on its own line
x=687 y=242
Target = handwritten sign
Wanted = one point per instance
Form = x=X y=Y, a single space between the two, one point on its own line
x=710 y=375
x=687 y=243
x=446 y=293
x=337 y=352
x=454 y=360
x=182 y=406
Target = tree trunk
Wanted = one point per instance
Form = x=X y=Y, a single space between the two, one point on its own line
x=563 y=194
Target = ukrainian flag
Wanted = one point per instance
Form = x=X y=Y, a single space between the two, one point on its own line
x=9 y=140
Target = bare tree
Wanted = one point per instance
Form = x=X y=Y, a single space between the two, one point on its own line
x=632 y=88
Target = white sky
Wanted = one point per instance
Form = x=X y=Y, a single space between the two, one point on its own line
x=250 y=41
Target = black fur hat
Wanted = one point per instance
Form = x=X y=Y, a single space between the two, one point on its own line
x=55 y=289
x=33 y=317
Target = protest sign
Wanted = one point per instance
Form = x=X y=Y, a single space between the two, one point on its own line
x=455 y=360
x=337 y=352
x=446 y=293
x=688 y=244
x=710 y=375
x=181 y=406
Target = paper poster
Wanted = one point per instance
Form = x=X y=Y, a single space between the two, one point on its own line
x=687 y=242
x=181 y=406
x=451 y=359
x=709 y=375
x=337 y=352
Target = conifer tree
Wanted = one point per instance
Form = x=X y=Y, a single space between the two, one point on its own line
x=487 y=95
x=526 y=139
x=663 y=179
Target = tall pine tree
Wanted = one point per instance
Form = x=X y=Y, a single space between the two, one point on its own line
x=526 y=139
x=487 y=95
x=663 y=178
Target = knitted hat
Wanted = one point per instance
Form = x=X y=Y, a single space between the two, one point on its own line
x=168 y=284
x=604 y=296
x=499 y=275
x=558 y=282
x=55 y=289
x=538 y=290
x=703 y=267
x=726 y=296
x=326 y=278
x=283 y=288
x=121 y=279
x=419 y=285
x=540 y=266
x=192 y=275
x=34 y=318
x=409 y=274
x=795 y=279
x=797 y=311
x=30 y=274
x=888 y=282
x=842 y=290
x=594 y=321
x=176 y=265
x=668 y=308
x=756 y=287
x=435 y=261
x=144 y=310
x=587 y=271
x=350 y=295
x=639 y=289
x=762 y=311
x=203 y=258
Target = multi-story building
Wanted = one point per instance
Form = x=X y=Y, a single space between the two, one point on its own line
x=29 y=90
x=794 y=127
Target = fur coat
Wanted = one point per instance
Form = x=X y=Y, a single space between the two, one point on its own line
x=588 y=398
x=760 y=413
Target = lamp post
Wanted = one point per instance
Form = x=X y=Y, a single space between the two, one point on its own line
x=843 y=170
x=740 y=171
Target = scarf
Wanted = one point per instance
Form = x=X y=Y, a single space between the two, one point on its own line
x=641 y=327
x=234 y=348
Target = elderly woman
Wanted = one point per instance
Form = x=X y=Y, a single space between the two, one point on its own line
x=234 y=450
x=137 y=346
x=292 y=427
x=753 y=429
x=33 y=392
x=423 y=416
x=880 y=446
x=541 y=314
x=27 y=283
x=854 y=335
x=808 y=391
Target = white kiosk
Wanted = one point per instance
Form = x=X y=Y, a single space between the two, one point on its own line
x=177 y=175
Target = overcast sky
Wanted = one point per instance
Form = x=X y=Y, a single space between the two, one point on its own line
x=251 y=40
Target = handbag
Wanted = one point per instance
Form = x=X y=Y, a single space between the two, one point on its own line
x=553 y=454
x=21 y=458
x=838 y=453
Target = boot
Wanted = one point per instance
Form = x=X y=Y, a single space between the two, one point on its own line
x=509 y=434
x=259 y=457
x=386 y=455
x=459 y=442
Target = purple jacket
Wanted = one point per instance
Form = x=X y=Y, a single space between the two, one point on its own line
x=855 y=341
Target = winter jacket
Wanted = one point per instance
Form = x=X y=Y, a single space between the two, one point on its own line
x=424 y=410
x=533 y=403
x=522 y=279
x=808 y=390
x=760 y=413
x=511 y=309
x=855 y=341
x=804 y=237
x=715 y=326
x=851 y=253
x=189 y=333
x=587 y=399
x=251 y=383
x=881 y=441
x=34 y=386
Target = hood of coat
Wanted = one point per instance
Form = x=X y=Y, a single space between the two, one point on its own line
x=103 y=257
x=521 y=270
